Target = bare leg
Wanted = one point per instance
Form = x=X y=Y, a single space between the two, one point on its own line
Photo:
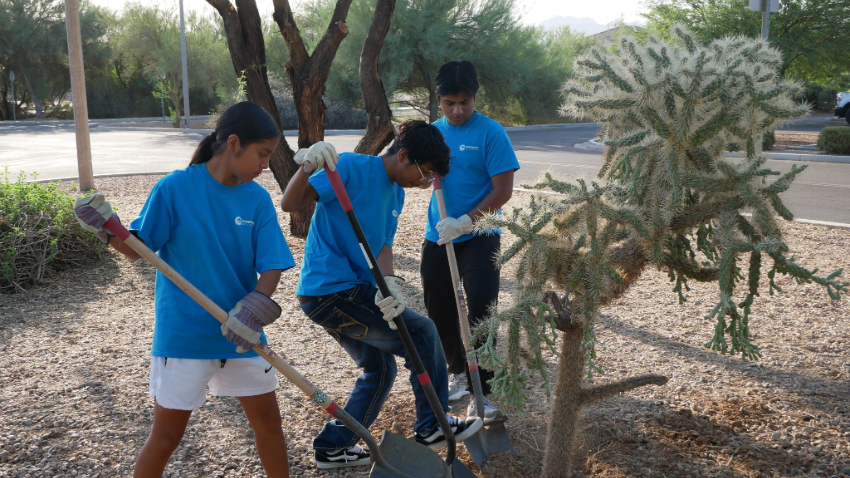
x=166 y=433
x=264 y=417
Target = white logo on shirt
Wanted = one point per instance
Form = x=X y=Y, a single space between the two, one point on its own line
x=244 y=222
x=395 y=213
x=464 y=147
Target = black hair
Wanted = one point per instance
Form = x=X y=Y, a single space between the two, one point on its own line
x=248 y=121
x=456 y=77
x=424 y=145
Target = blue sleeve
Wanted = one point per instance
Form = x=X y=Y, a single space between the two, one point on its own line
x=272 y=251
x=153 y=224
x=500 y=155
x=392 y=227
x=322 y=184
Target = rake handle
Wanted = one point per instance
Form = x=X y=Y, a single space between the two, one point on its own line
x=317 y=396
x=409 y=346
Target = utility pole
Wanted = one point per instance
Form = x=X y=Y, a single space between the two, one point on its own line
x=78 y=91
x=185 y=68
x=12 y=78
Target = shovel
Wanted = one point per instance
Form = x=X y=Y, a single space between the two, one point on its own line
x=458 y=469
x=488 y=440
x=396 y=457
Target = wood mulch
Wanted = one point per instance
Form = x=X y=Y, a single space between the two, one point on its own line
x=75 y=355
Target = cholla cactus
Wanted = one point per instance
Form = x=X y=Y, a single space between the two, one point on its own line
x=667 y=197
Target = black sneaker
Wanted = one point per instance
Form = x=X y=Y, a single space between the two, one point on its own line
x=344 y=457
x=435 y=440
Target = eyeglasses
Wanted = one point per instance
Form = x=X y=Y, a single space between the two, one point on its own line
x=425 y=179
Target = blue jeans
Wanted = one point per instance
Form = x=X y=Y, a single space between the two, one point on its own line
x=352 y=318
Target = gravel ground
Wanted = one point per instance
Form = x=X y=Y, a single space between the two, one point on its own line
x=790 y=143
x=74 y=376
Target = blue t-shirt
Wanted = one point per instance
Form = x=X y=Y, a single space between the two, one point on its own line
x=333 y=260
x=217 y=237
x=480 y=149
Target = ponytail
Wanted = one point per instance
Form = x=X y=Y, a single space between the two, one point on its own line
x=204 y=151
x=248 y=121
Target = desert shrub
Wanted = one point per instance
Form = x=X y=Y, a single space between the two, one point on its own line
x=768 y=140
x=821 y=97
x=38 y=233
x=835 y=140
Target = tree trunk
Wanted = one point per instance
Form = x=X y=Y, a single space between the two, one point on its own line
x=570 y=394
x=309 y=73
x=379 y=130
x=563 y=419
x=245 y=41
x=36 y=98
x=433 y=103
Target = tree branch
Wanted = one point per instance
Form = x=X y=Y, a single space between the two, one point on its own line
x=284 y=18
x=601 y=392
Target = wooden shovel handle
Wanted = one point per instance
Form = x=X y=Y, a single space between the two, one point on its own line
x=466 y=334
x=319 y=397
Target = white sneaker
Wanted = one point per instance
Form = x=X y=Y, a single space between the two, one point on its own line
x=492 y=414
x=457 y=386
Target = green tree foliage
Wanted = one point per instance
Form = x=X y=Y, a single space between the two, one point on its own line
x=34 y=45
x=149 y=37
x=519 y=67
x=812 y=36
x=667 y=197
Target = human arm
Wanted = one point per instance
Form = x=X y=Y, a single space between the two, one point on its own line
x=299 y=192
x=503 y=188
x=385 y=260
x=268 y=281
x=123 y=248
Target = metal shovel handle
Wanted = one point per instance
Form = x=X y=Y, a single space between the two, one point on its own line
x=418 y=366
x=465 y=333
x=317 y=396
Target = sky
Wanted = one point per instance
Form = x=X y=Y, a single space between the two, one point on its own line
x=533 y=11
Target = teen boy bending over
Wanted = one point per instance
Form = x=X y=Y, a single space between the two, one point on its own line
x=337 y=291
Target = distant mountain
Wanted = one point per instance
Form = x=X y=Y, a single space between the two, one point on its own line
x=587 y=25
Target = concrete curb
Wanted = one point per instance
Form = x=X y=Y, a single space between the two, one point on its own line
x=820 y=158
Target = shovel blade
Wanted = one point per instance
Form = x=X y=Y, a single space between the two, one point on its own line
x=408 y=459
x=459 y=470
x=489 y=441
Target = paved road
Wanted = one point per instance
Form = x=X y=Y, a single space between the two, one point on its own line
x=821 y=193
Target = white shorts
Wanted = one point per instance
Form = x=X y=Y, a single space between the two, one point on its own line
x=180 y=384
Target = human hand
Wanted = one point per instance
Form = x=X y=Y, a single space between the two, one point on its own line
x=451 y=228
x=247 y=319
x=393 y=305
x=92 y=212
x=316 y=156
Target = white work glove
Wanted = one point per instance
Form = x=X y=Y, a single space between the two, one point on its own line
x=92 y=212
x=316 y=156
x=393 y=305
x=451 y=228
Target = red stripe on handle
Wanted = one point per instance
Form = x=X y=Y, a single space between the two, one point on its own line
x=339 y=189
x=473 y=368
x=332 y=408
x=424 y=379
x=437 y=183
x=115 y=227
